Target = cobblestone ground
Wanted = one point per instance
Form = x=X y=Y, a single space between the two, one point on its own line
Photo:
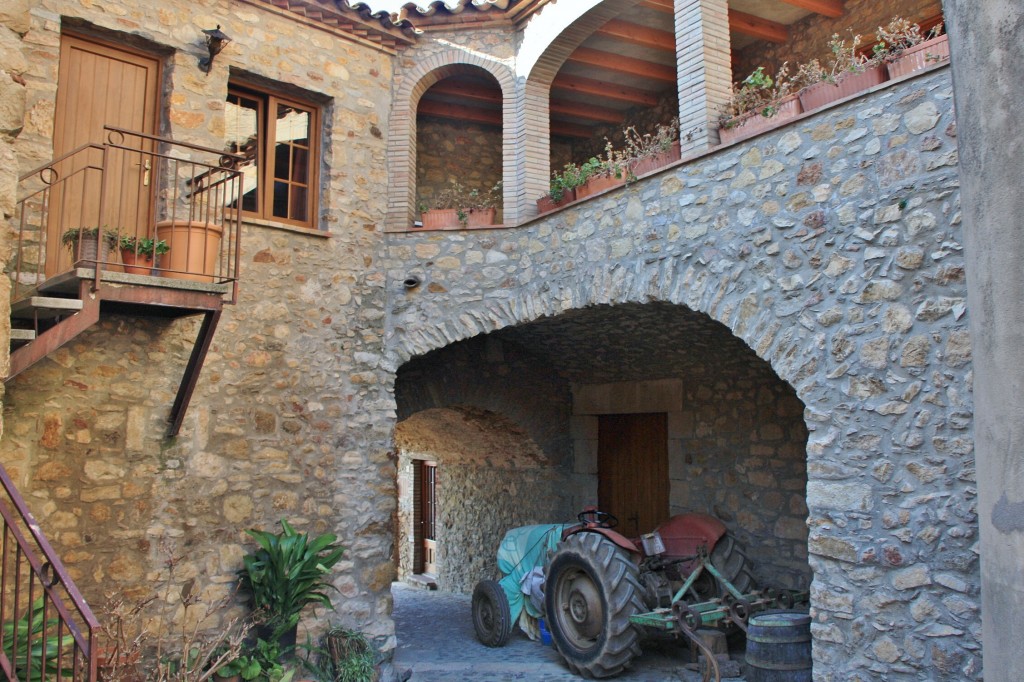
x=436 y=642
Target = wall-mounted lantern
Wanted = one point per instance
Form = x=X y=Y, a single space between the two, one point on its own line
x=216 y=40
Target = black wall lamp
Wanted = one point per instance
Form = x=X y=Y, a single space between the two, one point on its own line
x=216 y=40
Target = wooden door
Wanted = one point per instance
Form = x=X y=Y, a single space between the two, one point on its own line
x=632 y=466
x=425 y=517
x=98 y=85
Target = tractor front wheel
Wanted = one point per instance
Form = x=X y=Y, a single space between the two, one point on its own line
x=591 y=591
x=492 y=618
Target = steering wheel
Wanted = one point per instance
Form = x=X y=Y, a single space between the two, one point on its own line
x=602 y=519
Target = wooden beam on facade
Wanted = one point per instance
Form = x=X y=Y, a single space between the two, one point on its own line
x=629 y=66
x=465 y=91
x=587 y=112
x=635 y=34
x=666 y=6
x=599 y=88
x=829 y=8
x=563 y=129
x=756 y=27
x=460 y=112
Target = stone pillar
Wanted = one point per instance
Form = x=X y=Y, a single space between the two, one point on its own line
x=704 y=67
x=988 y=57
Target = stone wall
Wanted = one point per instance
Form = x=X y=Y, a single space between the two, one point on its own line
x=449 y=152
x=832 y=248
x=490 y=478
x=292 y=415
x=809 y=37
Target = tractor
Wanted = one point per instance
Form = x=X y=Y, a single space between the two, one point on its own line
x=600 y=589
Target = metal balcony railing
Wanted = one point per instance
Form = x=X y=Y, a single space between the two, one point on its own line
x=102 y=206
x=48 y=631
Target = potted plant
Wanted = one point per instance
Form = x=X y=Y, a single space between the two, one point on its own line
x=289 y=571
x=904 y=49
x=193 y=249
x=85 y=244
x=482 y=206
x=759 y=102
x=563 y=186
x=646 y=153
x=846 y=73
x=137 y=253
x=601 y=174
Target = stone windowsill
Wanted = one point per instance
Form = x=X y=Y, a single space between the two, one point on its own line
x=258 y=222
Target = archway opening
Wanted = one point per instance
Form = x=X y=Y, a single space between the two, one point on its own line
x=459 y=144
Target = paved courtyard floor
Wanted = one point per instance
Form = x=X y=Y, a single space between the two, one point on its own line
x=437 y=643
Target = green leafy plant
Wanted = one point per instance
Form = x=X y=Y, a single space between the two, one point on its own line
x=759 y=92
x=35 y=657
x=342 y=656
x=288 y=572
x=144 y=246
x=898 y=36
x=261 y=661
x=72 y=235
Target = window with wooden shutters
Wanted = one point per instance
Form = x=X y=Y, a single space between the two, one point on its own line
x=279 y=139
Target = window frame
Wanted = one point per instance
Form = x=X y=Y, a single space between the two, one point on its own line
x=266 y=126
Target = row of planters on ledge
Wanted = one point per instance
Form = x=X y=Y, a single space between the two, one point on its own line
x=761 y=102
x=642 y=154
x=458 y=206
x=186 y=249
x=288 y=572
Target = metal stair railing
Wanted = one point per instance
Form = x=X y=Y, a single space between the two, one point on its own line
x=47 y=631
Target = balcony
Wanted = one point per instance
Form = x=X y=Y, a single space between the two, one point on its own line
x=138 y=225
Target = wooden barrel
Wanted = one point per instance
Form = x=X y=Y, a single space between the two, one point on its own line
x=779 y=647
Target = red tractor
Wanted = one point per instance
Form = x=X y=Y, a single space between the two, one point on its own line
x=601 y=588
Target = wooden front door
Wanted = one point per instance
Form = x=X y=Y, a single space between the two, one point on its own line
x=632 y=466
x=98 y=85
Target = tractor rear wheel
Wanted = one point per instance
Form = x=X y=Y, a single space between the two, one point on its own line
x=592 y=589
x=731 y=561
x=492 y=618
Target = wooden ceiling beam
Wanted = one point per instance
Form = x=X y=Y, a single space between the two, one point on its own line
x=829 y=8
x=624 y=65
x=756 y=27
x=666 y=6
x=599 y=88
x=635 y=34
x=563 y=129
x=465 y=91
x=586 y=111
x=459 y=112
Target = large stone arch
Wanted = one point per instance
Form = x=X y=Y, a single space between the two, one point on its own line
x=402 y=130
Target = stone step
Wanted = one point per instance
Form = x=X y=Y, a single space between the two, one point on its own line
x=44 y=307
x=22 y=335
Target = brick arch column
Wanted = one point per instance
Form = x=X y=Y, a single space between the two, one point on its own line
x=401 y=160
x=533 y=122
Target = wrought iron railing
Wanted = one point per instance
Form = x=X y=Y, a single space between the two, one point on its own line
x=102 y=206
x=48 y=631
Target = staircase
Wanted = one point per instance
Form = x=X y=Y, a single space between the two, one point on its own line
x=54 y=299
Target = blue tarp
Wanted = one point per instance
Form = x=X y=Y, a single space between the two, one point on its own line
x=522 y=550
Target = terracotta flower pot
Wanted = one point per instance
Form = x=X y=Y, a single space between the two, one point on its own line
x=598 y=184
x=920 y=56
x=480 y=217
x=849 y=84
x=652 y=163
x=194 y=248
x=546 y=204
x=440 y=218
x=753 y=122
x=136 y=264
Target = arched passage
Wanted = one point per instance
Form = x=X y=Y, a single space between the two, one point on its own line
x=732 y=444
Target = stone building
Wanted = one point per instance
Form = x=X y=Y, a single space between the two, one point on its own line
x=784 y=318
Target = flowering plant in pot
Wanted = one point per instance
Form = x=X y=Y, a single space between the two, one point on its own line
x=564 y=183
x=482 y=205
x=760 y=102
x=85 y=243
x=137 y=253
x=604 y=172
x=903 y=48
x=846 y=72
x=649 y=151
